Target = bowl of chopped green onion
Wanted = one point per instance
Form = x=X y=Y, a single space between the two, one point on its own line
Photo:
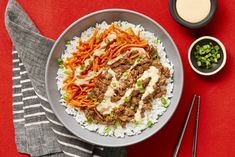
x=207 y=55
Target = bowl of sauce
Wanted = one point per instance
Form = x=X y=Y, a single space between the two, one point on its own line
x=193 y=14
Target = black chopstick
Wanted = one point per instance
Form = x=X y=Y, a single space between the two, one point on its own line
x=184 y=128
x=194 y=149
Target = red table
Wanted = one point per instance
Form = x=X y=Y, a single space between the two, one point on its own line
x=216 y=136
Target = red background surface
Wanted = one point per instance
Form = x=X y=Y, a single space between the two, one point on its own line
x=216 y=136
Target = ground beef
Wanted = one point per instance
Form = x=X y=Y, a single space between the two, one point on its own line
x=146 y=82
x=135 y=100
x=147 y=106
x=115 y=98
x=134 y=74
x=125 y=112
x=91 y=115
x=101 y=86
x=123 y=65
x=151 y=50
x=134 y=93
x=129 y=112
x=118 y=111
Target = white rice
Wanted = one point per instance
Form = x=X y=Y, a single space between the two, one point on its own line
x=131 y=128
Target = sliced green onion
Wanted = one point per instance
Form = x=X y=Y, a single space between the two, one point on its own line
x=97 y=39
x=89 y=121
x=129 y=31
x=139 y=83
x=66 y=96
x=127 y=99
x=68 y=42
x=106 y=40
x=164 y=102
x=216 y=47
x=116 y=124
x=90 y=61
x=138 y=59
x=67 y=72
x=119 y=24
x=136 y=122
x=111 y=115
x=141 y=90
x=199 y=63
x=114 y=84
x=149 y=123
x=89 y=94
x=154 y=56
x=82 y=67
x=59 y=61
x=140 y=87
x=155 y=41
x=206 y=55
x=125 y=74
x=61 y=66
x=107 y=130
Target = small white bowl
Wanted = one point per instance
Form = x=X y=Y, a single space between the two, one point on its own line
x=215 y=67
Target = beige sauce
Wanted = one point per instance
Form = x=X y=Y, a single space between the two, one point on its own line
x=152 y=72
x=106 y=106
x=193 y=11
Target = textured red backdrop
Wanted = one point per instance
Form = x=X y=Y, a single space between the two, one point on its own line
x=216 y=136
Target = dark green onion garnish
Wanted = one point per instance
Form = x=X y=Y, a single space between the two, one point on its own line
x=207 y=54
x=164 y=102
x=68 y=42
x=59 y=61
x=154 y=55
x=149 y=123
x=127 y=99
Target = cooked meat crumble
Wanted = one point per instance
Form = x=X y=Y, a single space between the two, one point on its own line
x=134 y=69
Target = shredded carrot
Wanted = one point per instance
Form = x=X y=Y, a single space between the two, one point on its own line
x=135 y=55
x=124 y=41
x=148 y=54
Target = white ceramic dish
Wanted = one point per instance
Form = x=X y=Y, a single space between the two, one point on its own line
x=215 y=67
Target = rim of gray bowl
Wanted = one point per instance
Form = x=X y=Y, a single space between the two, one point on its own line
x=204 y=22
x=110 y=144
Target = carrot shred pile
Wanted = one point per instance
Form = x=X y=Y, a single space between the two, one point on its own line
x=77 y=95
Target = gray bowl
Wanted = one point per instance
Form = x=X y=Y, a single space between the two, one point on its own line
x=76 y=29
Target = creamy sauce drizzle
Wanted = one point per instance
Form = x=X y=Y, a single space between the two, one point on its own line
x=103 y=44
x=193 y=11
x=117 y=58
x=97 y=52
x=140 y=50
x=152 y=72
x=90 y=75
x=106 y=106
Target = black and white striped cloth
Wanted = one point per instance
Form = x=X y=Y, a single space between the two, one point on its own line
x=38 y=132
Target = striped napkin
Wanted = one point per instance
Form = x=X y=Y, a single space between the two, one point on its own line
x=38 y=132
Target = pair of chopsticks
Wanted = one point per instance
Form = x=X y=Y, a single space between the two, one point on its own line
x=194 y=148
